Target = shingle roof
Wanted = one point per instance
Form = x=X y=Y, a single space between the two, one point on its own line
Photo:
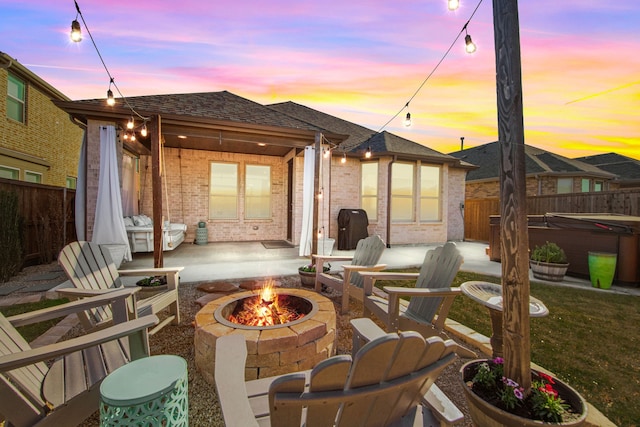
x=360 y=138
x=626 y=168
x=222 y=105
x=537 y=161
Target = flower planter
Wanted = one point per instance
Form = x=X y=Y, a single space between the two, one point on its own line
x=548 y=271
x=602 y=268
x=485 y=414
x=308 y=278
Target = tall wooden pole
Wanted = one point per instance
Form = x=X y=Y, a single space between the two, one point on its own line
x=156 y=189
x=316 y=191
x=513 y=232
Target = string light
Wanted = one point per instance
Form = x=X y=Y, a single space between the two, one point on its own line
x=368 y=153
x=470 y=46
x=453 y=4
x=450 y=3
x=130 y=123
x=144 y=132
x=76 y=36
x=326 y=153
x=407 y=120
x=344 y=158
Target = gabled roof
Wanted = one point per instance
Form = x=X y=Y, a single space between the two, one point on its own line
x=11 y=64
x=626 y=168
x=537 y=162
x=361 y=138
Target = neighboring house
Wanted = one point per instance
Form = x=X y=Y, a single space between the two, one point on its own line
x=546 y=173
x=626 y=168
x=239 y=166
x=38 y=141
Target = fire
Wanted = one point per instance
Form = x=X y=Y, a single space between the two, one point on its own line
x=265 y=309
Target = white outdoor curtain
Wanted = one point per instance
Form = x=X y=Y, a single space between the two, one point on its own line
x=108 y=227
x=129 y=205
x=81 y=190
x=307 y=201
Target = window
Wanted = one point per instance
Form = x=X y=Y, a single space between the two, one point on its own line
x=72 y=182
x=15 y=99
x=586 y=185
x=257 y=198
x=430 y=193
x=33 y=177
x=223 y=191
x=402 y=192
x=9 y=173
x=565 y=185
x=598 y=186
x=369 y=190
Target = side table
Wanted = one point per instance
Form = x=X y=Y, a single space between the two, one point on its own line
x=148 y=391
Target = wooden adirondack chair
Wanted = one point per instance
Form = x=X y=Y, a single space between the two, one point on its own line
x=430 y=300
x=365 y=258
x=387 y=382
x=65 y=392
x=92 y=271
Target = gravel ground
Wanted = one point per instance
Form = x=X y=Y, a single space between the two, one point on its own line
x=204 y=409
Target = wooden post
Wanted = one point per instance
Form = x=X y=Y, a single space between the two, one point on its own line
x=513 y=232
x=316 y=191
x=156 y=189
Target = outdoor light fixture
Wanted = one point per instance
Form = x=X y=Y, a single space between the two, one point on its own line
x=407 y=120
x=143 y=131
x=76 y=32
x=130 y=123
x=326 y=153
x=133 y=136
x=453 y=4
x=344 y=158
x=470 y=45
x=368 y=153
x=110 y=99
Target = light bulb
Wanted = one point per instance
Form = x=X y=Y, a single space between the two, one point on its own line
x=368 y=153
x=130 y=123
x=76 y=32
x=110 y=100
x=344 y=158
x=407 y=120
x=133 y=136
x=143 y=131
x=453 y=4
x=470 y=45
x=326 y=153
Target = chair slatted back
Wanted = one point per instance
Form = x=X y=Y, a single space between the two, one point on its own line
x=27 y=379
x=438 y=270
x=385 y=381
x=89 y=267
x=368 y=253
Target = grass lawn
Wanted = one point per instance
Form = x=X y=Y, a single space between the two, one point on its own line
x=31 y=332
x=590 y=340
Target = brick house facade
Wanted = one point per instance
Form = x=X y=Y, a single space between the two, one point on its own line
x=38 y=141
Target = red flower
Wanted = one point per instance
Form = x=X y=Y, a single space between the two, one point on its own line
x=546 y=378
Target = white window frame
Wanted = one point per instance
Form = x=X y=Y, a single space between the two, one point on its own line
x=34 y=174
x=214 y=193
x=396 y=198
x=437 y=197
x=565 y=180
x=248 y=214
x=9 y=168
x=11 y=98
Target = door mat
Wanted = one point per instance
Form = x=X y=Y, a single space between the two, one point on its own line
x=276 y=244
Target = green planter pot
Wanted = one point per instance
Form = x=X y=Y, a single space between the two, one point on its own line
x=484 y=414
x=602 y=268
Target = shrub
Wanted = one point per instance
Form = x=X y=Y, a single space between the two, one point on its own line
x=549 y=252
x=10 y=237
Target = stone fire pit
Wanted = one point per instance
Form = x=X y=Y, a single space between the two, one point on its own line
x=272 y=350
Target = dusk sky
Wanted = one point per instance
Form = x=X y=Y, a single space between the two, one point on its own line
x=358 y=60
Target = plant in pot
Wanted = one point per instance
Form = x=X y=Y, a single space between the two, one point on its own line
x=549 y=262
x=152 y=284
x=308 y=274
x=495 y=400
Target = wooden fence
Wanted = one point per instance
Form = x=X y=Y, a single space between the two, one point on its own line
x=477 y=211
x=48 y=219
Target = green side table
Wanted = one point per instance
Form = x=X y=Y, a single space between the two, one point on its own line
x=148 y=391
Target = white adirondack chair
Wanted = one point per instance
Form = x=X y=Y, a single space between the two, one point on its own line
x=430 y=300
x=65 y=392
x=388 y=382
x=365 y=258
x=92 y=272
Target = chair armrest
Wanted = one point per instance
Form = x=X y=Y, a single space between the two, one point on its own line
x=441 y=406
x=371 y=277
x=231 y=355
x=171 y=273
x=421 y=292
x=115 y=297
x=364 y=330
x=395 y=292
x=328 y=258
x=363 y=268
x=40 y=354
x=75 y=293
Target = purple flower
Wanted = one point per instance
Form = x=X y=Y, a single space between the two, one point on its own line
x=518 y=392
x=509 y=382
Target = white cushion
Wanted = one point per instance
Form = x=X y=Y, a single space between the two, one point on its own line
x=128 y=222
x=138 y=221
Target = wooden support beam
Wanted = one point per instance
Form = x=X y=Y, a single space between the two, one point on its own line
x=513 y=210
x=316 y=191
x=156 y=188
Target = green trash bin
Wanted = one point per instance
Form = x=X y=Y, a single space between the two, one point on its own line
x=602 y=268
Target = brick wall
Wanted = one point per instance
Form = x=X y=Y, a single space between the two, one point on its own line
x=48 y=133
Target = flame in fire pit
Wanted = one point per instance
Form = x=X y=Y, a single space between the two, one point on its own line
x=266 y=309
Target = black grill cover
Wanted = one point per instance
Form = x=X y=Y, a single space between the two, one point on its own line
x=352 y=226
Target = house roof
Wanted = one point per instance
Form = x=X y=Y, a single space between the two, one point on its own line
x=23 y=72
x=361 y=138
x=626 y=168
x=537 y=162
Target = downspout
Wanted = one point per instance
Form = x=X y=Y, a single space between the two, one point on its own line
x=393 y=160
